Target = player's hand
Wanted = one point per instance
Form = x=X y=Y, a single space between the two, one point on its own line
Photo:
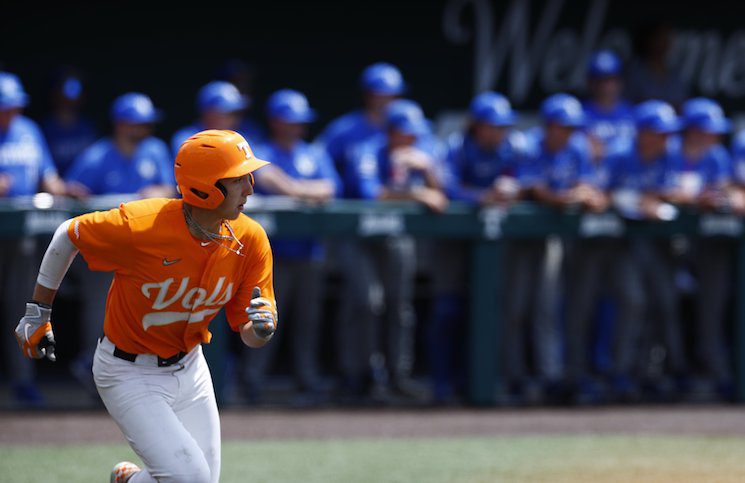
x=34 y=332
x=433 y=199
x=263 y=315
x=6 y=181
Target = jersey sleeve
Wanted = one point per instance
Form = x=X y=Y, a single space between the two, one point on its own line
x=104 y=238
x=259 y=273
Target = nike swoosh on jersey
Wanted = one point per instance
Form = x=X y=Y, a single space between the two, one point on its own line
x=204 y=244
x=167 y=262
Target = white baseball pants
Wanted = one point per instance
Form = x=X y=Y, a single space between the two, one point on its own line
x=168 y=414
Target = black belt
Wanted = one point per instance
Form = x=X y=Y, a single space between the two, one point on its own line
x=161 y=361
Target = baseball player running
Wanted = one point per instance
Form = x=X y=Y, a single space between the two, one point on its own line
x=176 y=263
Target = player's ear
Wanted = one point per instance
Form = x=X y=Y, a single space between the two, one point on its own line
x=178 y=189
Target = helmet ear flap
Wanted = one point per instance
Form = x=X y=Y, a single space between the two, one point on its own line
x=222 y=188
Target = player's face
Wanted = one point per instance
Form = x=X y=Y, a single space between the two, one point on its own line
x=134 y=133
x=6 y=116
x=398 y=139
x=651 y=145
x=488 y=136
x=221 y=120
x=378 y=102
x=607 y=88
x=557 y=136
x=237 y=190
x=287 y=131
x=700 y=139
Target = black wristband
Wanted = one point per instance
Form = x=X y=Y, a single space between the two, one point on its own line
x=42 y=305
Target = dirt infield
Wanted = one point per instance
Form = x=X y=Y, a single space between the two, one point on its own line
x=60 y=428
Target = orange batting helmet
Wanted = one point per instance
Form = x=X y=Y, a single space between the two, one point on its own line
x=207 y=157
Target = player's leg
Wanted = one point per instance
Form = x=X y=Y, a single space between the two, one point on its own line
x=584 y=279
x=258 y=361
x=308 y=300
x=520 y=285
x=715 y=257
x=196 y=408
x=630 y=303
x=355 y=337
x=139 y=399
x=17 y=264
x=398 y=285
x=546 y=328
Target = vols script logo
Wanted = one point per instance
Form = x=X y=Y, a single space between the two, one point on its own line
x=190 y=300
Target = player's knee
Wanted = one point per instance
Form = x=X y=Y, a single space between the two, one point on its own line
x=192 y=470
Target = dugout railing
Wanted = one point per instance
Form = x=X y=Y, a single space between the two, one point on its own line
x=483 y=229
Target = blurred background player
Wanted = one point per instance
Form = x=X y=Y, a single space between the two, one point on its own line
x=380 y=83
x=390 y=167
x=132 y=163
x=299 y=264
x=221 y=106
x=26 y=167
x=701 y=177
x=67 y=130
x=556 y=172
x=637 y=180
x=608 y=114
x=243 y=75
x=480 y=166
x=650 y=74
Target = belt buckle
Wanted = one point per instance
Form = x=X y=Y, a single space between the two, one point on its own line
x=170 y=360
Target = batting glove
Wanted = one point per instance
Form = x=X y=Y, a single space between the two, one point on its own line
x=262 y=314
x=34 y=332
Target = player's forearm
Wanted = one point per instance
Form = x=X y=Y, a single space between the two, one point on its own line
x=57 y=260
x=249 y=337
x=43 y=295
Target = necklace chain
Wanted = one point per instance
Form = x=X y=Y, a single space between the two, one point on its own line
x=215 y=238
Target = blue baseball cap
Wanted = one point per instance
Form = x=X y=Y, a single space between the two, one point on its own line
x=221 y=96
x=656 y=116
x=705 y=114
x=406 y=116
x=563 y=109
x=12 y=94
x=135 y=108
x=289 y=106
x=604 y=63
x=492 y=108
x=382 y=78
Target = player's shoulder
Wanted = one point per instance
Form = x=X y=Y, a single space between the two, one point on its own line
x=149 y=209
x=26 y=123
x=98 y=151
x=248 y=229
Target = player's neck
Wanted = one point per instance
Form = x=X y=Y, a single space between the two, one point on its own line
x=207 y=219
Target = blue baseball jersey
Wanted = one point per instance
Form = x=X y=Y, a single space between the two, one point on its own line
x=66 y=142
x=253 y=133
x=624 y=169
x=103 y=169
x=369 y=168
x=609 y=125
x=738 y=158
x=303 y=161
x=559 y=170
x=24 y=156
x=471 y=169
x=342 y=137
x=694 y=176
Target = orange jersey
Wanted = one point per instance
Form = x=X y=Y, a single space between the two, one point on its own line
x=167 y=284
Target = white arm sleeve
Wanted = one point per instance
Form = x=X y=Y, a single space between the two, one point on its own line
x=60 y=254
